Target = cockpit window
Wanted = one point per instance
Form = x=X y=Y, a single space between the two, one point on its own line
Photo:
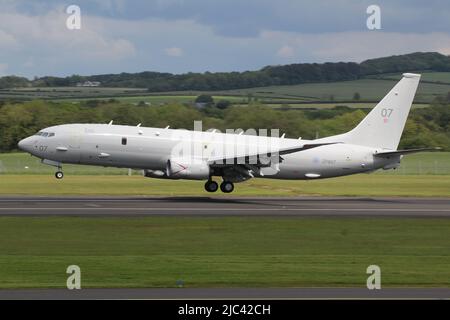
x=45 y=134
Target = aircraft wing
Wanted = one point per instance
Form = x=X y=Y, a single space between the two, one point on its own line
x=403 y=152
x=256 y=157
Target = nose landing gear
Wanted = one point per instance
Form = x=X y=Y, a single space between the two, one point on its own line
x=59 y=174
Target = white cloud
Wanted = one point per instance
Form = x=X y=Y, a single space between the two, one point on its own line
x=42 y=45
x=49 y=34
x=445 y=51
x=356 y=46
x=174 y=52
x=286 y=52
x=3 y=68
x=7 y=40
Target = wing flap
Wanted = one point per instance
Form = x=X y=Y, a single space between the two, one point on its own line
x=261 y=159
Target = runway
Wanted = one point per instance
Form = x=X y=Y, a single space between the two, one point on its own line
x=227 y=293
x=220 y=207
x=225 y=206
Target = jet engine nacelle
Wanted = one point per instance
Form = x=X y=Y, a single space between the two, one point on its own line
x=181 y=169
x=187 y=169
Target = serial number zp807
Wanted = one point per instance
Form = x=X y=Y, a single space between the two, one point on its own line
x=246 y=309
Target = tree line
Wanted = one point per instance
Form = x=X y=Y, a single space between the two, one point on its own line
x=425 y=126
x=271 y=75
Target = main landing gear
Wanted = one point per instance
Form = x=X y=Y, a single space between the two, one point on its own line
x=211 y=186
x=225 y=186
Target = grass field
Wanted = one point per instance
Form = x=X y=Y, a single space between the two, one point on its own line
x=358 y=185
x=430 y=163
x=155 y=99
x=422 y=174
x=223 y=251
x=370 y=89
x=330 y=105
x=55 y=93
x=438 y=77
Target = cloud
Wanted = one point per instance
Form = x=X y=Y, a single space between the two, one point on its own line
x=118 y=36
x=3 y=68
x=286 y=52
x=356 y=46
x=7 y=40
x=445 y=50
x=237 y=18
x=46 y=41
x=174 y=52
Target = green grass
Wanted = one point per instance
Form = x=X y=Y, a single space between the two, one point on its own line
x=436 y=163
x=358 y=185
x=223 y=251
x=422 y=174
x=331 y=105
x=162 y=99
x=22 y=163
x=71 y=93
x=371 y=89
x=438 y=77
x=423 y=163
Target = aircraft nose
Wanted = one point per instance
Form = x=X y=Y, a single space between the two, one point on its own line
x=24 y=144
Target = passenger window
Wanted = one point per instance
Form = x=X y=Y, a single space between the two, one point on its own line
x=51 y=134
x=124 y=141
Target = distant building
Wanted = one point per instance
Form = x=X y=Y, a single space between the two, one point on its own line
x=89 y=84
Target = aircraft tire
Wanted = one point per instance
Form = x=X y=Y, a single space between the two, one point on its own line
x=227 y=187
x=59 y=175
x=211 y=186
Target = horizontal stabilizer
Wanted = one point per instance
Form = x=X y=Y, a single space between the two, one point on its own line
x=402 y=152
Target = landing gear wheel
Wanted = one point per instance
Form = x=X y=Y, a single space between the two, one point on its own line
x=59 y=175
x=227 y=187
x=211 y=186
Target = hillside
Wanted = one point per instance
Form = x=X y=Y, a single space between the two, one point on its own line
x=307 y=95
x=292 y=74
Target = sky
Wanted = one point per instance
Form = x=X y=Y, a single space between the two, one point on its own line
x=180 y=36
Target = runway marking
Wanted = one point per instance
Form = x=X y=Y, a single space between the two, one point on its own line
x=230 y=209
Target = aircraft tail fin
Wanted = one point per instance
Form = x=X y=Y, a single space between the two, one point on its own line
x=383 y=126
